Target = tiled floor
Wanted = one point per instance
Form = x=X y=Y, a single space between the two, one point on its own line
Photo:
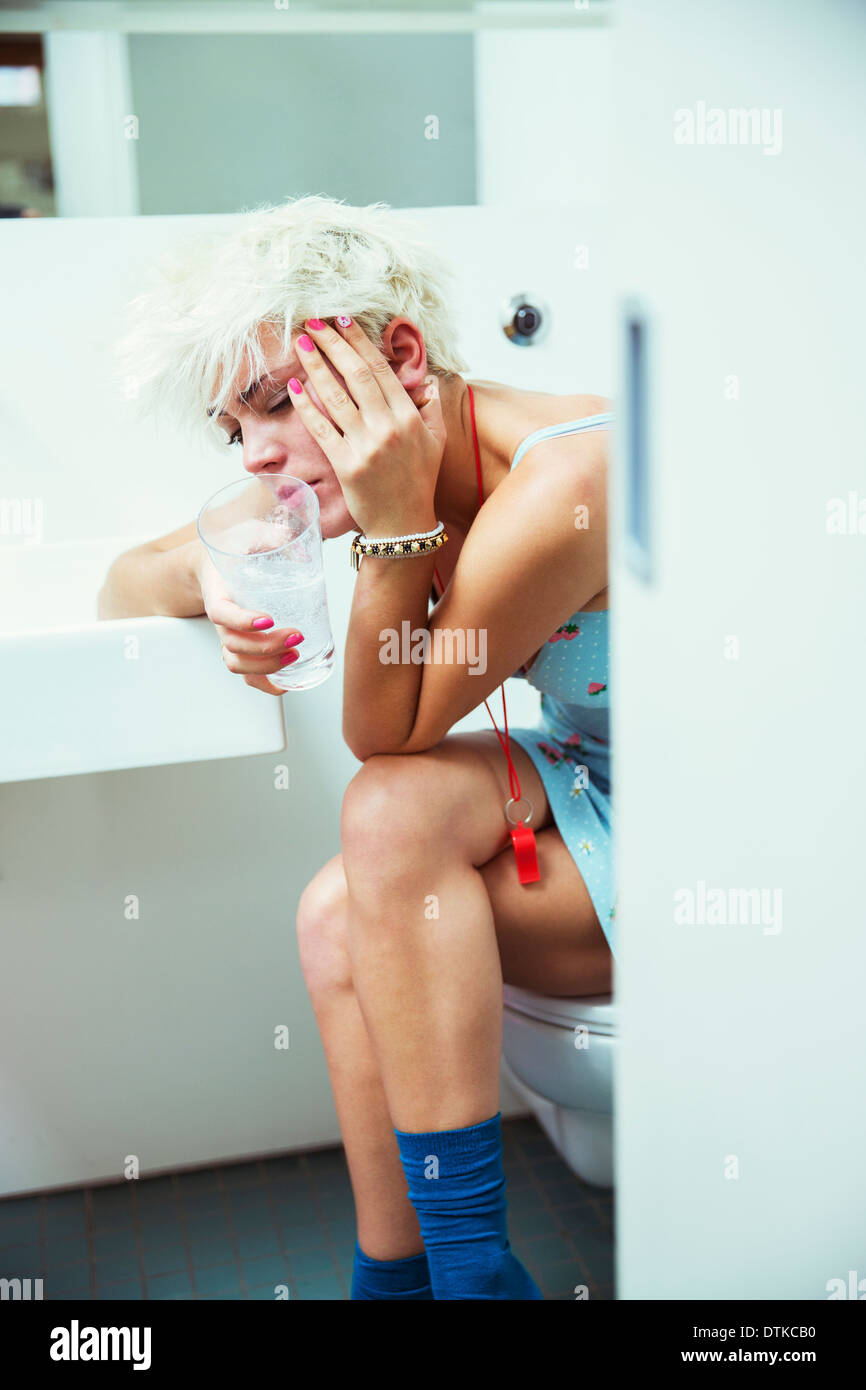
x=237 y=1230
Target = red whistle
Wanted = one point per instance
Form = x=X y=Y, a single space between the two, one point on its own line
x=523 y=839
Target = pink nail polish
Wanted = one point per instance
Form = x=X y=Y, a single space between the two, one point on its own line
x=295 y=386
x=315 y=324
x=344 y=321
x=263 y=623
x=306 y=343
x=294 y=640
x=292 y=656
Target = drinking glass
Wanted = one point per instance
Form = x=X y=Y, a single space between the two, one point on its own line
x=265 y=538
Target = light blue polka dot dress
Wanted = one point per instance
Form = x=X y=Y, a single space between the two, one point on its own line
x=571 y=745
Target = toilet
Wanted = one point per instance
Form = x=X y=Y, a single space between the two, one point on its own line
x=558 y=1056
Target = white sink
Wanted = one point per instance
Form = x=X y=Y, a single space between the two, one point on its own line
x=79 y=695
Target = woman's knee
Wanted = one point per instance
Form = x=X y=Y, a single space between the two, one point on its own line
x=322 y=924
x=391 y=808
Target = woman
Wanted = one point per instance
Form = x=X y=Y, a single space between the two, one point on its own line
x=318 y=340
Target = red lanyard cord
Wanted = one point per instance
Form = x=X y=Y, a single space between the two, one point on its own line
x=513 y=779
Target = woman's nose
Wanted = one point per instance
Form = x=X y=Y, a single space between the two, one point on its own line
x=261 y=448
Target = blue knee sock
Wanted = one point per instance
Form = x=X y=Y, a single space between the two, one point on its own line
x=406 y=1279
x=457 y=1187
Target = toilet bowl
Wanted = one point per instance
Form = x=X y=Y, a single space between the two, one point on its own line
x=558 y=1056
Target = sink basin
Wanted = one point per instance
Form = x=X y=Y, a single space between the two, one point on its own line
x=79 y=695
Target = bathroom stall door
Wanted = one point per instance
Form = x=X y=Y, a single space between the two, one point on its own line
x=738 y=664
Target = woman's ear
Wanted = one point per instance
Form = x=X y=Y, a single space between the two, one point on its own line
x=403 y=345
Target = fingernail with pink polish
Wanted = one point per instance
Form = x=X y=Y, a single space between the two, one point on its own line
x=294 y=640
x=292 y=656
x=306 y=343
x=315 y=324
x=263 y=623
x=344 y=321
x=294 y=385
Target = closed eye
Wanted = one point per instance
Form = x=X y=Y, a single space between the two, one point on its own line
x=272 y=409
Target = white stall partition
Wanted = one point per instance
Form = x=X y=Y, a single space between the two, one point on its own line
x=739 y=672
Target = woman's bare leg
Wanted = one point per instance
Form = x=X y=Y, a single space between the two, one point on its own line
x=417 y=831
x=548 y=940
x=387 y=1225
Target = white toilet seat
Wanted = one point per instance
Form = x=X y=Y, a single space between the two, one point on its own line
x=598 y=1011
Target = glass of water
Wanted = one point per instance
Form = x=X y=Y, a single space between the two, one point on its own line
x=264 y=536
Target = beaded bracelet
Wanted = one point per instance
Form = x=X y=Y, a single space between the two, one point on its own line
x=398 y=547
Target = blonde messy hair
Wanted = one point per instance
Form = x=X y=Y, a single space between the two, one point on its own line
x=196 y=330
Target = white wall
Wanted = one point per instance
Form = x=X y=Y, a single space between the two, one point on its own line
x=543 y=111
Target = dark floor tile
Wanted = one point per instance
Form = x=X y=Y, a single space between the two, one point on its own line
x=164 y=1259
x=596 y=1252
x=155 y=1189
x=517 y=1177
x=219 y=1279
x=115 y=1270
x=298 y=1215
x=342 y=1229
x=529 y=1198
x=18 y=1229
x=271 y=1270
x=198 y=1180
x=240 y=1175
x=326 y=1287
x=535 y=1150
x=250 y=1207
x=332 y=1182
x=58 y=1205
x=206 y=1223
x=253 y=1243
x=326 y=1161
x=128 y=1289
x=547 y=1250
x=156 y=1214
x=289 y=1187
x=218 y=1250
x=579 y=1221
x=20 y=1207
x=110 y=1244
x=71 y=1282
x=155 y=1234
x=22 y=1261
x=199 y=1208
x=553 y=1168
x=521 y=1125
x=345 y=1257
x=534 y=1221
x=286 y=1164
x=164 y=1286
x=556 y=1182
x=64 y=1225
x=310 y=1236
x=335 y=1207
x=559 y=1279
x=308 y=1264
x=111 y=1207
x=66 y=1250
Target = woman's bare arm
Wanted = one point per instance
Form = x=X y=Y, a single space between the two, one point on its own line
x=158 y=578
x=523 y=569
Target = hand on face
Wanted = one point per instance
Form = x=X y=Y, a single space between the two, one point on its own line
x=385 y=450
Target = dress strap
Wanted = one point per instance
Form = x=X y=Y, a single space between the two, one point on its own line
x=589 y=422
